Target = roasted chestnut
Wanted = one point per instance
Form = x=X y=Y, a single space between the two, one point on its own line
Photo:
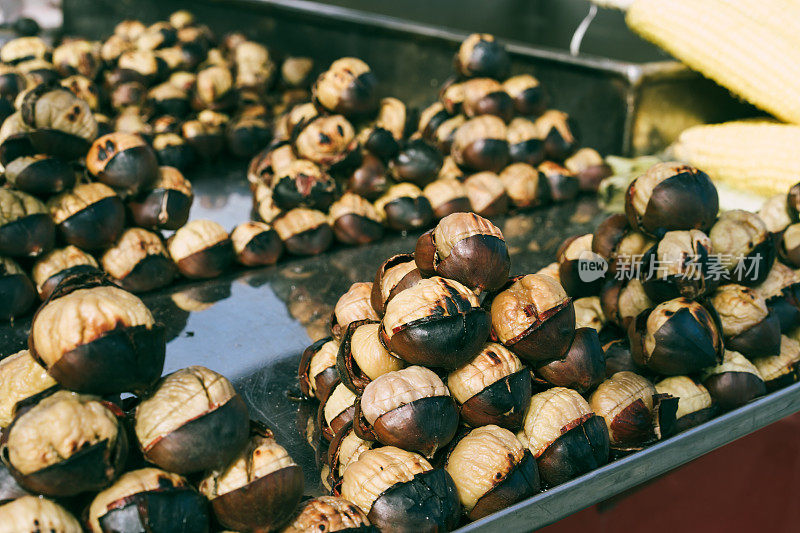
x=85 y=89
x=22 y=379
x=330 y=514
x=165 y=203
x=317 y=372
x=534 y=318
x=550 y=270
x=580 y=270
x=619 y=357
x=353 y=306
x=527 y=94
x=348 y=87
x=396 y=274
x=39 y=174
x=99 y=339
x=582 y=367
x=436 y=322
x=467 y=248
x=747 y=325
x=133 y=120
x=362 y=358
x=193 y=420
x=444 y=135
x=589 y=313
x=417 y=162
x=775 y=214
x=370 y=179
x=676 y=337
x=680 y=265
x=77 y=56
x=622 y=300
x=158 y=35
x=336 y=411
x=61 y=263
x=563 y=184
x=480 y=144
x=734 y=382
x=214 y=88
x=565 y=437
x=201 y=249
x=404 y=207
x=172 y=150
x=66 y=444
x=39 y=72
x=258 y=490
x=63 y=123
x=743 y=246
x=524 y=185
x=148 y=499
x=355 y=220
x=256 y=244
x=139 y=262
x=447 y=196
x=486 y=193
x=694 y=402
x=672 y=196
x=625 y=401
x=780 y=291
x=492 y=470
x=524 y=142
x=486 y=96
x=345 y=448
x=782 y=369
x=32 y=513
x=481 y=55
x=129 y=30
x=493 y=388
x=304 y=231
x=590 y=168
x=301 y=183
x=123 y=161
x=295 y=71
x=15 y=141
x=557 y=130
x=17 y=290
x=90 y=216
x=26 y=230
x=452 y=95
x=327 y=140
x=247 y=134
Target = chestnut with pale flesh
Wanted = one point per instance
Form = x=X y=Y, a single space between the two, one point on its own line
x=26 y=229
x=694 y=401
x=396 y=274
x=481 y=55
x=582 y=367
x=733 y=382
x=330 y=514
x=304 y=231
x=201 y=249
x=747 y=325
x=317 y=372
x=32 y=513
x=90 y=216
x=59 y=264
x=256 y=244
x=165 y=204
x=744 y=246
x=362 y=358
x=783 y=369
x=139 y=262
x=22 y=379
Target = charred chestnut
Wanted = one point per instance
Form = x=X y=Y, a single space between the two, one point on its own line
x=676 y=337
x=734 y=382
x=90 y=216
x=534 y=318
x=527 y=94
x=481 y=55
x=565 y=437
x=17 y=290
x=401 y=492
x=362 y=358
x=26 y=230
x=149 y=499
x=744 y=246
x=404 y=207
x=304 y=231
x=524 y=142
x=447 y=196
x=556 y=129
x=61 y=263
x=355 y=220
x=330 y=513
x=258 y=490
x=396 y=274
x=486 y=96
x=100 y=339
x=480 y=144
x=139 y=262
x=486 y=193
x=622 y=301
x=563 y=184
x=680 y=265
x=347 y=87
x=620 y=245
x=746 y=322
x=63 y=123
x=77 y=56
x=625 y=401
x=353 y=306
x=31 y=513
x=205 y=134
x=301 y=183
x=327 y=140
x=417 y=162
x=201 y=249
x=780 y=291
x=524 y=185
x=169 y=99
x=164 y=204
x=66 y=444
x=40 y=174
x=193 y=420
x=467 y=248
x=247 y=134
x=782 y=369
x=436 y=322
x=582 y=367
x=672 y=196
x=23 y=380
x=123 y=161
x=336 y=411
x=694 y=402
x=575 y=258
x=493 y=388
x=317 y=371
x=256 y=244
x=85 y=89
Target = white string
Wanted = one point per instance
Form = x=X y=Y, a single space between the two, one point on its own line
x=580 y=32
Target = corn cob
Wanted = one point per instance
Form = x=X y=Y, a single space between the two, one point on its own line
x=751 y=47
x=759 y=156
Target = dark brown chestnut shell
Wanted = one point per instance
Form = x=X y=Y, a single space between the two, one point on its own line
x=486 y=154
x=760 y=340
x=346 y=366
x=28 y=236
x=409 y=280
x=357 y=229
x=263 y=249
x=730 y=390
x=408 y=214
x=324 y=382
x=178 y=509
x=579 y=450
x=312 y=241
x=695 y=419
x=330 y=430
x=418 y=162
x=131 y=169
x=583 y=367
x=521 y=482
x=52 y=282
x=44 y=176
x=369 y=179
x=549 y=338
x=763 y=257
x=96 y=226
x=166 y=209
x=502 y=403
x=152 y=272
x=19 y=294
x=209 y=262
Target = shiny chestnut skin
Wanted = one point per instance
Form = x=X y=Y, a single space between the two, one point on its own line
x=34 y=513
x=409 y=408
x=525 y=185
x=26 y=230
x=330 y=513
x=23 y=381
x=148 y=499
x=486 y=96
x=201 y=249
x=258 y=490
x=590 y=168
x=524 y=142
x=583 y=366
x=304 y=231
x=347 y=87
x=317 y=373
x=50 y=269
x=565 y=437
x=139 y=261
x=686 y=337
x=90 y=216
x=302 y=183
x=574 y=254
x=527 y=94
x=695 y=405
x=418 y=162
x=404 y=207
x=534 y=318
x=18 y=292
x=447 y=196
x=481 y=55
x=370 y=179
x=680 y=264
x=744 y=245
x=355 y=220
x=336 y=411
x=172 y=150
x=733 y=382
x=256 y=244
x=747 y=325
x=780 y=370
x=246 y=135
x=480 y=144
x=563 y=183
x=492 y=388
x=191 y=421
x=15 y=139
x=205 y=133
x=780 y=291
x=557 y=129
x=437 y=322
x=487 y=195
x=618 y=357
x=119 y=346
x=671 y=196
x=625 y=401
x=40 y=175
x=66 y=444
x=396 y=274
x=354 y=305
x=467 y=248
x=401 y=492
x=492 y=470
x=165 y=203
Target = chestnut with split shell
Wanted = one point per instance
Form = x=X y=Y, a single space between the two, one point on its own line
x=695 y=405
x=481 y=55
x=32 y=513
x=590 y=168
x=165 y=203
x=347 y=87
x=487 y=195
x=61 y=263
x=26 y=229
x=139 y=262
x=626 y=403
x=362 y=358
x=781 y=291
x=304 y=231
x=330 y=514
x=575 y=256
x=396 y=274
x=404 y=207
x=745 y=247
x=525 y=185
x=301 y=183
x=417 y=162
x=353 y=306
x=90 y=216
x=563 y=184
x=40 y=174
x=623 y=300
x=527 y=94
x=355 y=220
x=201 y=249
x=22 y=379
x=582 y=367
x=345 y=448
x=680 y=264
x=525 y=144
x=256 y=244
x=480 y=144
x=447 y=196
x=336 y=411
x=486 y=96
x=317 y=372
x=734 y=382
x=122 y=161
x=747 y=325
x=783 y=369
